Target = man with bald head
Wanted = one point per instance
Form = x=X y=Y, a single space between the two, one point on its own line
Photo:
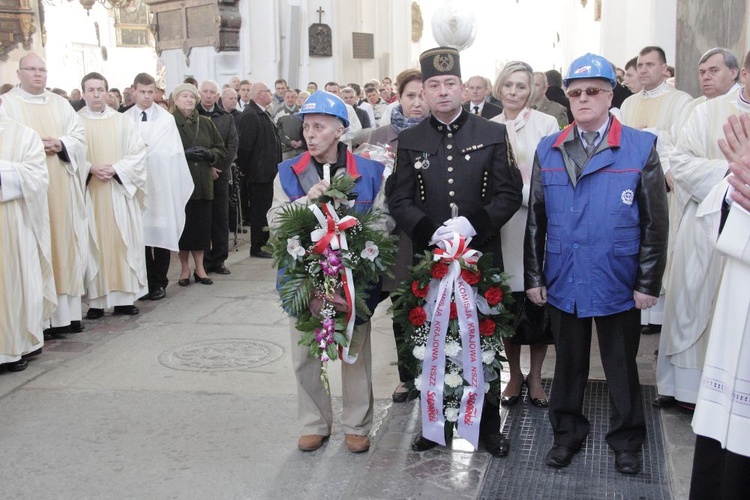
x=64 y=141
x=213 y=260
x=229 y=102
x=257 y=157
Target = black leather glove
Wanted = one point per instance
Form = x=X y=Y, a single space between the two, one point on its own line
x=208 y=155
x=194 y=153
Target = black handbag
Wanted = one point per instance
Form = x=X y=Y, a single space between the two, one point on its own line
x=531 y=324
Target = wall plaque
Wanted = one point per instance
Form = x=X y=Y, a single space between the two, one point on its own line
x=320 y=38
x=363 y=46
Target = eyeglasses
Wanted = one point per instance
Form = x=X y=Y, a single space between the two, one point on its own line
x=34 y=70
x=590 y=91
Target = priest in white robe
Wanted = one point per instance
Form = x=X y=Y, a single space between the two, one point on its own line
x=658 y=108
x=28 y=291
x=115 y=180
x=168 y=182
x=695 y=267
x=63 y=139
x=721 y=465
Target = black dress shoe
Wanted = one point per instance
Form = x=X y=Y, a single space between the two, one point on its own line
x=650 y=329
x=627 y=462
x=403 y=397
x=203 y=281
x=145 y=297
x=261 y=254
x=512 y=400
x=222 y=270
x=421 y=443
x=560 y=456
x=16 y=366
x=94 y=313
x=183 y=281
x=539 y=403
x=496 y=444
x=158 y=293
x=127 y=310
x=76 y=327
x=664 y=401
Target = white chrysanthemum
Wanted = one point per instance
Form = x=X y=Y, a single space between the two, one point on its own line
x=488 y=357
x=418 y=352
x=453 y=379
x=451 y=414
x=452 y=349
x=418 y=383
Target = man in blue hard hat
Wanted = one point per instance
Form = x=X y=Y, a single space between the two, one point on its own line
x=595 y=249
x=302 y=180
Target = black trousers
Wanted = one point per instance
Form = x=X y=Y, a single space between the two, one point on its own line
x=244 y=201
x=219 y=252
x=157 y=267
x=718 y=473
x=619 y=337
x=261 y=197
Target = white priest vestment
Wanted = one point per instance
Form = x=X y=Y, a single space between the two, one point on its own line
x=28 y=287
x=49 y=115
x=660 y=111
x=168 y=183
x=116 y=274
x=695 y=267
x=723 y=409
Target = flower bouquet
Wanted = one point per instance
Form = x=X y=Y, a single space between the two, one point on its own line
x=454 y=311
x=381 y=153
x=329 y=255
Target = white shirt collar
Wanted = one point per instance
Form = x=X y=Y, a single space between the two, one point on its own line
x=657 y=91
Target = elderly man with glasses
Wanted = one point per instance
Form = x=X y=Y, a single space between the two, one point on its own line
x=595 y=249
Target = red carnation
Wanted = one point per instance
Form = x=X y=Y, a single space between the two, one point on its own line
x=417 y=316
x=454 y=311
x=487 y=327
x=439 y=270
x=493 y=295
x=470 y=277
x=418 y=291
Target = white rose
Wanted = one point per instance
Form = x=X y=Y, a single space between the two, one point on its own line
x=418 y=352
x=488 y=357
x=451 y=414
x=294 y=248
x=453 y=379
x=418 y=383
x=452 y=349
x=371 y=251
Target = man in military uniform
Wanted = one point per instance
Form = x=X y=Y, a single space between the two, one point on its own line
x=455 y=161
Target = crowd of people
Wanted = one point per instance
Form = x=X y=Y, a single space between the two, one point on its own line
x=607 y=195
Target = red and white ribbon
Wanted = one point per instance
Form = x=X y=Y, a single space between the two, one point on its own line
x=332 y=233
x=433 y=365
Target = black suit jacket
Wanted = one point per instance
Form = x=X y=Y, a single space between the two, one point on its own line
x=489 y=110
x=259 y=150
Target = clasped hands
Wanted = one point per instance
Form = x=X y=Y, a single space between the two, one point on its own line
x=102 y=172
x=460 y=225
x=199 y=153
x=52 y=146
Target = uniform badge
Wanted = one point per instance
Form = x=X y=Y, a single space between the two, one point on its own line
x=627 y=196
x=467 y=157
x=422 y=163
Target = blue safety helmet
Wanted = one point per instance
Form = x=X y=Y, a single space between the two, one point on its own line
x=325 y=103
x=591 y=66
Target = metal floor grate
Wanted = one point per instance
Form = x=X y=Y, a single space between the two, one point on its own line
x=523 y=474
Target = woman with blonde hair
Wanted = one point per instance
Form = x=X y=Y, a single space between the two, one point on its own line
x=514 y=87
